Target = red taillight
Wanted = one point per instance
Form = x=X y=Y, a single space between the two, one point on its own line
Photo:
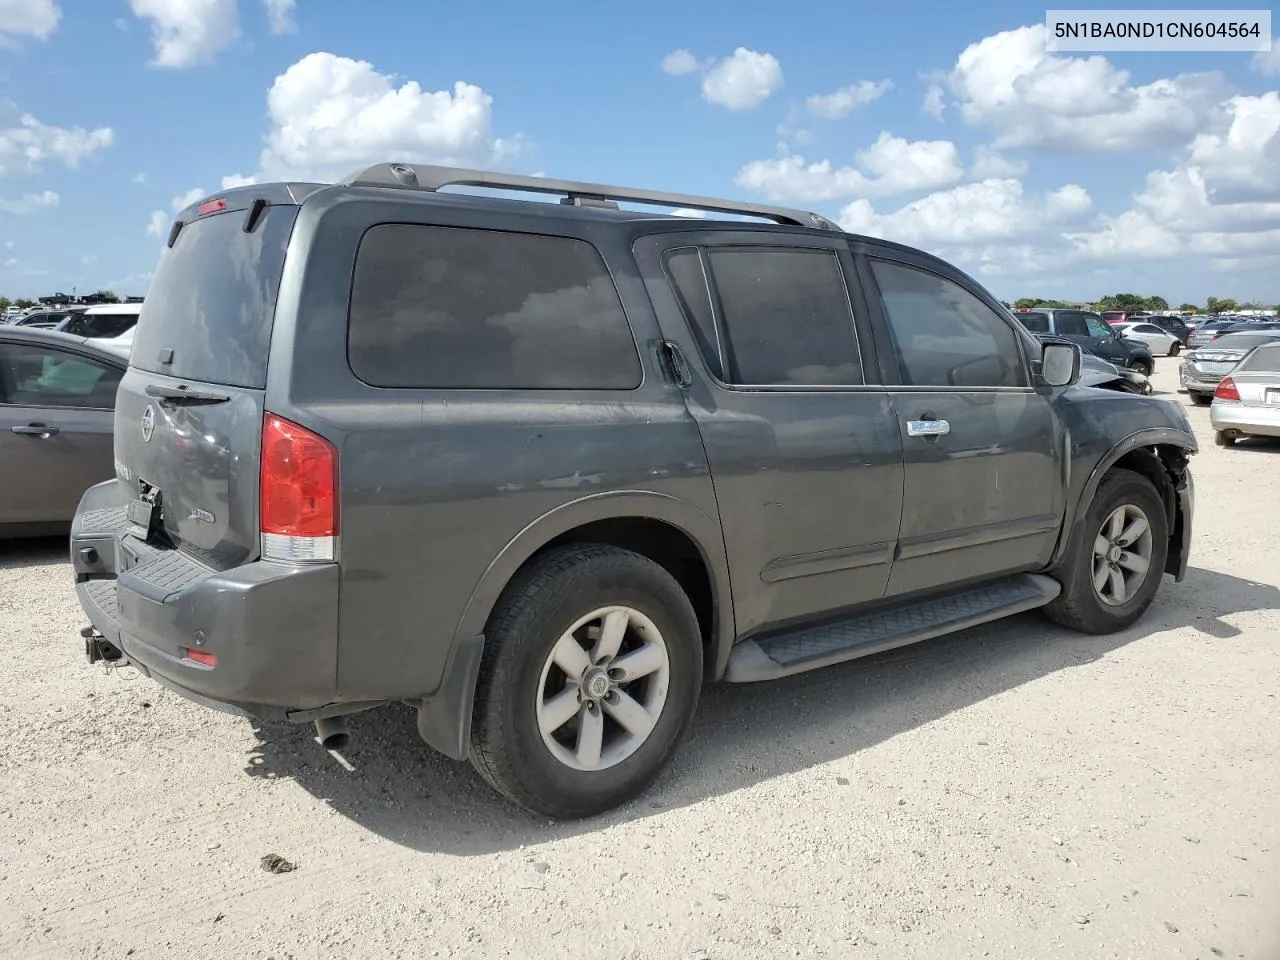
x=202 y=657
x=299 y=492
x=1226 y=390
x=211 y=206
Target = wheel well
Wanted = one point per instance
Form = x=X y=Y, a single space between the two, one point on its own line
x=667 y=546
x=1163 y=466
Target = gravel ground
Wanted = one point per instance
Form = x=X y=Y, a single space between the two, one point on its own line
x=1013 y=791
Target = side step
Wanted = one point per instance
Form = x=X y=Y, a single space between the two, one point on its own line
x=812 y=647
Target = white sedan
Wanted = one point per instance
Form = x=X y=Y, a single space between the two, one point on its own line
x=1161 y=342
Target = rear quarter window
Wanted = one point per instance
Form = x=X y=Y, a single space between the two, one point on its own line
x=460 y=308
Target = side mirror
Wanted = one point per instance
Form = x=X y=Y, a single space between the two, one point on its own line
x=1060 y=363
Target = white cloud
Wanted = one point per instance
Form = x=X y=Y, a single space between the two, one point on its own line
x=989 y=163
x=1131 y=235
x=974 y=213
x=833 y=106
x=331 y=115
x=26 y=143
x=188 y=32
x=743 y=80
x=1009 y=83
x=679 y=62
x=30 y=203
x=933 y=104
x=1267 y=62
x=28 y=18
x=280 y=15
x=139 y=177
x=233 y=180
x=686 y=212
x=1244 y=162
x=156 y=223
x=890 y=165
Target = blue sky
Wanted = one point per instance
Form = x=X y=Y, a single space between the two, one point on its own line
x=1053 y=175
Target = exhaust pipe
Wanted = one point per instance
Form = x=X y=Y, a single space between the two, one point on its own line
x=332 y=732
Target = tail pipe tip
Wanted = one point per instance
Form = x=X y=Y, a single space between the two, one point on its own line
x=332 y=733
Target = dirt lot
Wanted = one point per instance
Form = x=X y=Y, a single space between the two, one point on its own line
x=1014 y=791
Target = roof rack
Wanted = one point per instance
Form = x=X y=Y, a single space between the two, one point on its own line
x=425 y=177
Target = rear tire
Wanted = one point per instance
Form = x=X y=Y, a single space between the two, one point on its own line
x=1201 y=399
x=1113 y=565
x=546 y=733
x=1225 y=438
x=1175 y=348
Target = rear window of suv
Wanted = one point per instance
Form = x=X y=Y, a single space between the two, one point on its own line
x=212 y=300
x=454 y=307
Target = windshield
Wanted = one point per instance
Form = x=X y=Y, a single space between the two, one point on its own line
x=213 y=299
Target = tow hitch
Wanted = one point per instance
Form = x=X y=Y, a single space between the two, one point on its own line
x=99 y=648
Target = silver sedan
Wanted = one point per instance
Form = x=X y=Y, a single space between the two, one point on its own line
x=1247 y=402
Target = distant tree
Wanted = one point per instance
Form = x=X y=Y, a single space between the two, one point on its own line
x=1130 y=302
x=1188 y=308
x=1214 y=305
x=4 y=303
x=1157 y=303
x=24 y=303
x=1025 y=303
x=108 y=296
x=1248 y=305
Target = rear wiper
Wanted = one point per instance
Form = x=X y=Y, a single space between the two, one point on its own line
x=184 y=395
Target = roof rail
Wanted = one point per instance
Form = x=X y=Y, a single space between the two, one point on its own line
x=425 y=177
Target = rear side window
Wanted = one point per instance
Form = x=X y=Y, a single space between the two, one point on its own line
x=690 y=282
x=32 y=376
x=452 y=307
x=1071 y=325
x=786 y=315
x=212 y=300
x=1035 y=322
x=100 y=324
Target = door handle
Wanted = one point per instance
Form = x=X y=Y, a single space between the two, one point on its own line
x=40 y=430
x=928 y=428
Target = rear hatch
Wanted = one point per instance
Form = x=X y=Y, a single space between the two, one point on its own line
x=189 y=413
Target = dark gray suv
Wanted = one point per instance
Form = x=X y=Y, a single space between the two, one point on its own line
x=541 y=470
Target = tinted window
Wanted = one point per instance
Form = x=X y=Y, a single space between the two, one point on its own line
x=1240 y=341
x=1266 y=359
x=945 y=335
x=99 y=324
x=786 y=315
x=1071 y=324
x=690 y=282
x=460 y=308
x=212 y=300
x=1035 y=322
x=40 y=377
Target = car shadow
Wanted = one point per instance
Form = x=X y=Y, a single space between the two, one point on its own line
x=1259 y=445
x=33 y=552
x=389 y=782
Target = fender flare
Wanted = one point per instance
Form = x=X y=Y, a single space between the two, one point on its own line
x=1149 y=437
x=703 y=530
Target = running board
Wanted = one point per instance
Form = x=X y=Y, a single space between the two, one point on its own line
x=809 y=648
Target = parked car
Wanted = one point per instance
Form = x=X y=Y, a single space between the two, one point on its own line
x=1092 y=334
x=1178 y=326
x=57 y=394
x=1206 y=331
x=1096 y=372
x=1204 y=367
x=1159 y=342
x=1247 y=401
x=564 y=462
x=1124 y=316
x=41 y=318
x=105 y=320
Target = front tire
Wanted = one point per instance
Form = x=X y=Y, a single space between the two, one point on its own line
x=1113 y=566
x=591 y=673
x=1143 y=367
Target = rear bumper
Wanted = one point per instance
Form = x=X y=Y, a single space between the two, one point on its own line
x=1197 y=381
x=271 y=626
x=1255 y=420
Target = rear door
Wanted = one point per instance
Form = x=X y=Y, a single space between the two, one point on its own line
x=982 y=484
x=55 y=430
x=805 y=454
x=188 y=420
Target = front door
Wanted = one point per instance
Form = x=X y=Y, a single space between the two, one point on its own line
x=804 y=449
x=55 y=430
x=982 y=492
